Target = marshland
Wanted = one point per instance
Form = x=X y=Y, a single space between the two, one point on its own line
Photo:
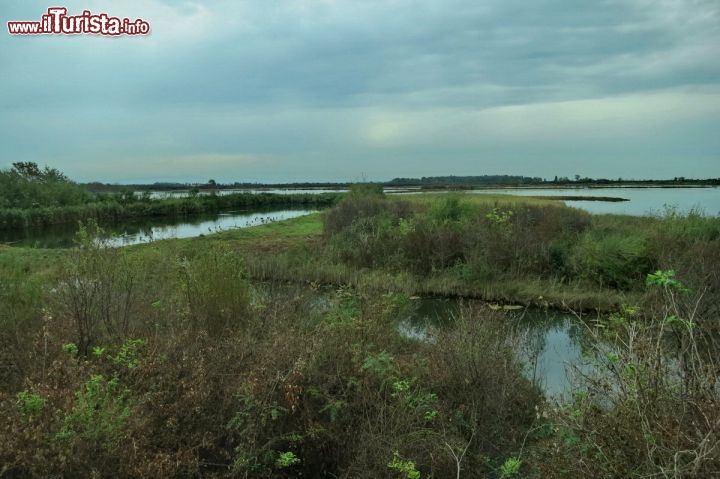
x=374 y=335
x=336 y=239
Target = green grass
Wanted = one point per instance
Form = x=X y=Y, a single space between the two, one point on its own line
x=33 y=262
x=476 y=199
x=290 y=251
x=212 y=370
x=295 y=250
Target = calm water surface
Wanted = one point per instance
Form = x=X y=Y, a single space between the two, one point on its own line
x=550 y=344
x=275 y=191
x=643 y=201
x=135 y=232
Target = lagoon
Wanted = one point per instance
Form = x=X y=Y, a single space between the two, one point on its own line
x=643 y=201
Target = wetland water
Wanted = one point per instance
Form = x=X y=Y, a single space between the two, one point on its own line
x=642 y=201
x=274 y=191
x=550 y=344
x=145 y=231
x=553 y=347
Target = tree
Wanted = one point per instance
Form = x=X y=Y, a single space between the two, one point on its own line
x=26 y=185
x=30 y=171
x=27 y=169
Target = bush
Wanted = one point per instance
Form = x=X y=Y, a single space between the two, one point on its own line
x=359 y=204
x=614 y=260
x=651 y=408
x=485 y=395
x=217 y=292
x=101 y=290
x=99 y=414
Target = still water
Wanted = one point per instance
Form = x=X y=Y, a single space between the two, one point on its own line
x=550 y=344
x=135 y=232
x=274 y=191
x=552 y=347
x=642 y=201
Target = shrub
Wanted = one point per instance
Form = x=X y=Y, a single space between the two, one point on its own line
x=22 y=318
x=217 y=292
x=651 y=408
x=100 y=291
x=483 y=392
x=99 y=414
x=614 y=260
x=30 y=404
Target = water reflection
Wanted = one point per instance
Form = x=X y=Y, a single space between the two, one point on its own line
x=275 y=191
x=222 y=222
x=642 y=201
x=551 y=346
x=144 y=231
x=552 y=351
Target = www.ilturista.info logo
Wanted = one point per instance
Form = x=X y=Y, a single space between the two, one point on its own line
x=57 y=22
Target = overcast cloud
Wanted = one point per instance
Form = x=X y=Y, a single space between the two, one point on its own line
x=295 y=90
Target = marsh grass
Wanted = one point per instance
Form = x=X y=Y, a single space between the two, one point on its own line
x=192 y=370
x=337 y=387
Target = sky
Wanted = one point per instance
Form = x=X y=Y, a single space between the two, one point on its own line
x=350 y=90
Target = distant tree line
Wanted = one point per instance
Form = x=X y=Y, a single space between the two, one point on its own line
x=430 y=182
x=510 y=180
x=26 y=185
x=31 y=196
x=98 y=187
x=466 y=180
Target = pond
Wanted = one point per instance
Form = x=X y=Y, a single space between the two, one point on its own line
x=147 y=230
x=642 y=201
x=553 y=347
x=550 y=344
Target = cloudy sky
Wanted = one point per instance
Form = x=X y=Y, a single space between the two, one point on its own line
x=325 y=90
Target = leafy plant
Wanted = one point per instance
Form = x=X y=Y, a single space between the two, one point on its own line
x=30 y=404
x=128 y=355
x=287 y=459
x=415 y=398
x=406 y=468
x=333 y=408
x=511 y=467
x=71 y=349
x=380 y=363
x=666 y=279
x=100 y=411
x=499 y=217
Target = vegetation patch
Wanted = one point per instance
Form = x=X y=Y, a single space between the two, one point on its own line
x=169 y=360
